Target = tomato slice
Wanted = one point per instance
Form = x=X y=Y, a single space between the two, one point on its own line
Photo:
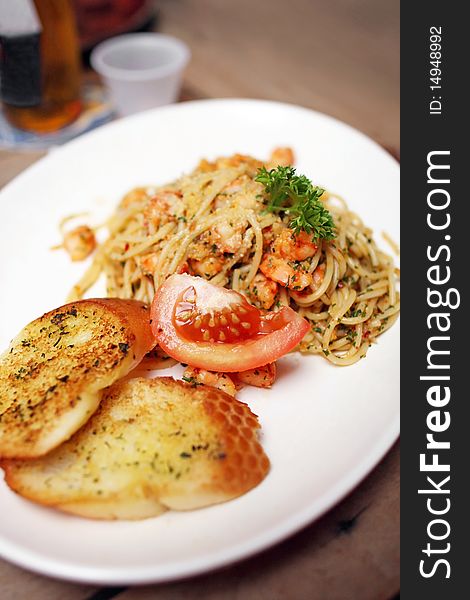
x=213 y=328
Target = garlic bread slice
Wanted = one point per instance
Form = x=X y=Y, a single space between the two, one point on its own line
x=52 y=374
x=152 y=445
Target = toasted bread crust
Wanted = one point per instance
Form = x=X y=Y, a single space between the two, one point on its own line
x=52 y=374
x=151 y=445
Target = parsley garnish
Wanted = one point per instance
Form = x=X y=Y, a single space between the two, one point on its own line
x=296 y=196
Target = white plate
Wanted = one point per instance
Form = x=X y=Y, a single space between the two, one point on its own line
x=324 y=427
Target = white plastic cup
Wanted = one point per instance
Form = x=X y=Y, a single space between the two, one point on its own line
x=141 y=70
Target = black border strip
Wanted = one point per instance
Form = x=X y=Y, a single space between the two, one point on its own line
x=424 y=131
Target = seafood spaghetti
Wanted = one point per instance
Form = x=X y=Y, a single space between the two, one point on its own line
x=220 y=222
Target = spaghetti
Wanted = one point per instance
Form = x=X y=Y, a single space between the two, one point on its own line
x=214 y=223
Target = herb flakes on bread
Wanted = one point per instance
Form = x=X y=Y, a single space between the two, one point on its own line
x=152 y=445
x=53 y=373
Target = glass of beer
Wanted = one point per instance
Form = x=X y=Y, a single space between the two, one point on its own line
x=41 y=66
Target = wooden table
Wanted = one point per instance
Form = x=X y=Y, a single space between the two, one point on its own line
x=342 y=58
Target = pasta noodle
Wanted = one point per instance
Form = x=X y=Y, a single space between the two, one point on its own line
x=214 y=223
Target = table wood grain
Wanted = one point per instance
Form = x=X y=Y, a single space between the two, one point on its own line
x=339 y=57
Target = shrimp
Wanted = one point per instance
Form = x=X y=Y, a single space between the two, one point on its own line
x=281 y=157
x=208 y=267
x=263 y=291
x=242 y=192
x=136 y=195
x=280 y=271
x=205 y=166
x=184 y=268
x=283 y=263
x=204 y=257
x=234 y=186
x=228 y=236
x=148 y=263
x=237 y=160
x=224 y=237
x=80 y=242
x=164 y=206
x=250 y=164
x=221 y=381
x=318 y=276
x=206 y=254
x=294 y=246
x=203 y=246
x=262 y=377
